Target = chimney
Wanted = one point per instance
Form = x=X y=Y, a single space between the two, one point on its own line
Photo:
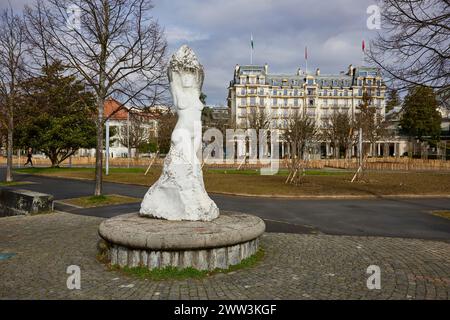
x=318 y=72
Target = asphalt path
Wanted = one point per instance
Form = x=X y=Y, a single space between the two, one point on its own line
x=387 y=217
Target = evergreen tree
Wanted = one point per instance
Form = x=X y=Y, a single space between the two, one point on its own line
x=393 y=100
x=421 y=118
x=55 y=115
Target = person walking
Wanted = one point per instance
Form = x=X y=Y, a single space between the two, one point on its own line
x=29 y=156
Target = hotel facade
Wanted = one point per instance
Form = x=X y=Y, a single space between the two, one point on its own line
x=317 y=95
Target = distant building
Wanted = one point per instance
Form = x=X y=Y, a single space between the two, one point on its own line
x=119 y=119
x=215 y=116
x=318 y=95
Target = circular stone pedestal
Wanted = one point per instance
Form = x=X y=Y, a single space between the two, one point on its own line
x=138 y=241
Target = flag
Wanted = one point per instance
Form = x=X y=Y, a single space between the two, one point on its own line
x=306 y=53
x=251 y=41
x=363 y=46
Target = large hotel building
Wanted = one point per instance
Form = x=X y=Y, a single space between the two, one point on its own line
x=316 y=94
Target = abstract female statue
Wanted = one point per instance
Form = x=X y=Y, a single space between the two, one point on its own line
x=180 y=194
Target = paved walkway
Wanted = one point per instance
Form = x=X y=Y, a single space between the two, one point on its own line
x=405 y=218
x=295 y=267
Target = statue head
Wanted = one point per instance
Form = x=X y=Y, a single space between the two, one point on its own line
x=185 y=72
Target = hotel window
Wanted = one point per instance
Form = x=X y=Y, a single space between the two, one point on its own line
x=335 y=92
x=243 y=80
x=325 y=92
x=325 y=102
x=261 y=101
x=285 y=102
x=261 y=92
x=295 y=92
x=243 y=102
x=359 y=92
x=252 y=101
x=310 y=82
x=310 y=92
x=378 y=92
x=359 y=82
x=346 y=93
x=274 y=101
x=311 y=102
x=242 y=91
x=285 y=92
x=296 y=102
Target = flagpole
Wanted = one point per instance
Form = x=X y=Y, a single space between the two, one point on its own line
x=251 y=49
x=306 y=60
x=363 y=53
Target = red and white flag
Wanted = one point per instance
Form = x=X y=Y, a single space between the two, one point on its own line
x=363 y=46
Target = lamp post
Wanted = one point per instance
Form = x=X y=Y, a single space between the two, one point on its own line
x=107 y=149
x=128 y=138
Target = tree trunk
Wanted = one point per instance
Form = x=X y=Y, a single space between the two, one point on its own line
x=336 y=150
x=99 y=150
x=9 y=161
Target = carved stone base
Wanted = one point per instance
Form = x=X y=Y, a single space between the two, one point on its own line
x=137 y=241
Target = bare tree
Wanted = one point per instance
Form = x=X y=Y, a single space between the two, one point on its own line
x=137 y=133
x=301 y=131
x=166 y=123
x=36 y=23
x=258 y=119
x=339 y=131
x=413 y=47
x=114 y=46
x=373 y=126
x=12 y=68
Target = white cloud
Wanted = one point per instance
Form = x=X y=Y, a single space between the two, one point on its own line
x=176 y=34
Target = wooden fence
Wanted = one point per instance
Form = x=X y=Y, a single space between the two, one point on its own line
x=394 y=164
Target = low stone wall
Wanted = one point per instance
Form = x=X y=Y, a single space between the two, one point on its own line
x=133 y=241
x=207 y=259
x=15 y=202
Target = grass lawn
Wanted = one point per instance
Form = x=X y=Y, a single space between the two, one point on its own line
x=442 y=214
x=100 y=201
x=14 y=183
x=315 y=183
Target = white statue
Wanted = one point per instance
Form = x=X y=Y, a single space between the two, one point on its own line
x=180 y=194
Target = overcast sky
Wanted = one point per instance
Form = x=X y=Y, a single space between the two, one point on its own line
x=219 y=32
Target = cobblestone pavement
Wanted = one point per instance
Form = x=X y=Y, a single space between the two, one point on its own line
x=295 y=267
